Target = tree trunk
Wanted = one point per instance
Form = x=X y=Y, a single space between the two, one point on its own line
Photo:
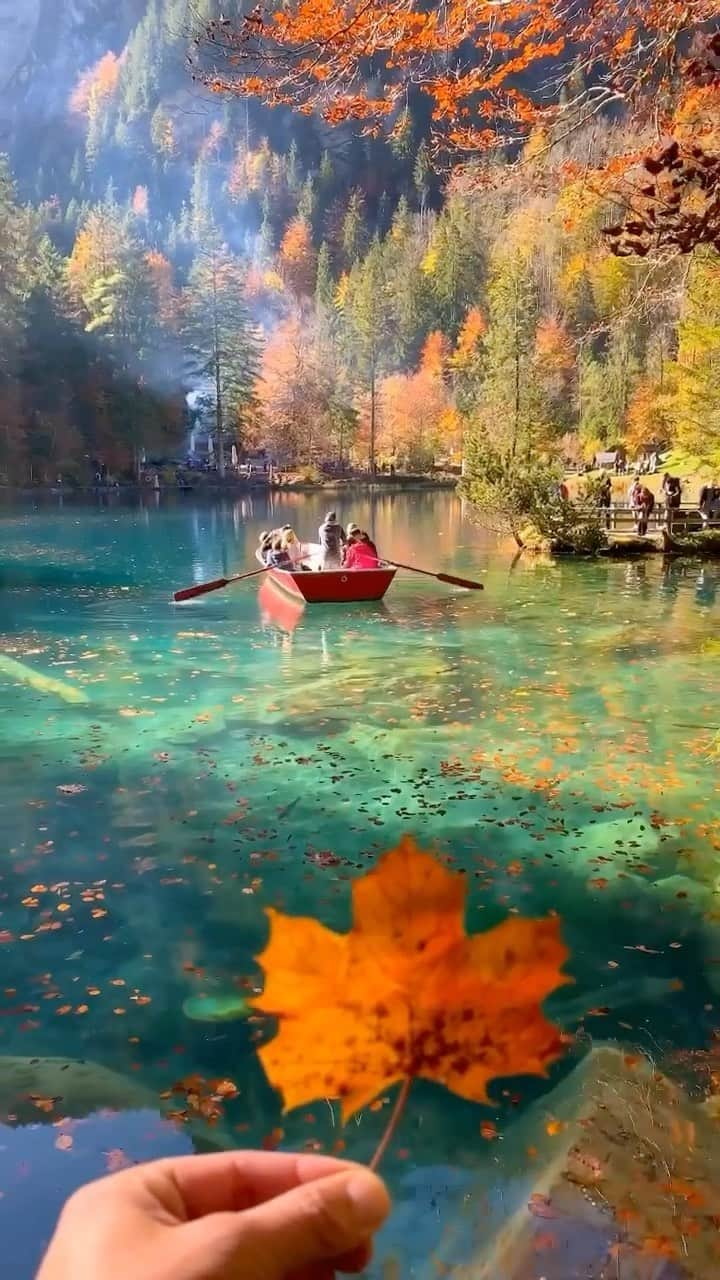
x=219 y=426
x=372 y=415
x=219 y=423
x=516 y=420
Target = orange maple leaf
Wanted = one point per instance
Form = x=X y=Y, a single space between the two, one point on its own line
x=407 y=992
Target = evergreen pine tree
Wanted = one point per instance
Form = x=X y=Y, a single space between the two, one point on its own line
x=221 y=338
x=140 y=72
x=266 y=242
x=512 y=302
x=422 y=175
x=384 y=214
x=293 y=176
x=77 y=173
x=326 y=178
x=401 y=142
x=307 y=203
x=365 y=314
x=354 y=230
x=325 y=286
x=202 y=222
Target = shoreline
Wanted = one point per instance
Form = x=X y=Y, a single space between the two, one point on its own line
x=204 y=487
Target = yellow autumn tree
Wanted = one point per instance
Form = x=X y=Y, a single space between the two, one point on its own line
x=695 y=406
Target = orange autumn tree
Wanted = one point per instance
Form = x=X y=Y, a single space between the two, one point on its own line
x=298 y=260
x=407 y=993
x=165 y=296
x=472 y=332
x=413 y=408
x=96 y=86
x=435 y=355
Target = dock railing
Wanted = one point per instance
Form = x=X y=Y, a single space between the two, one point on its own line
x=620 y=517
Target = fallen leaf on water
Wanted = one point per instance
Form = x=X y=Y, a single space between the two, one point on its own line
x=226 y=1089
x=407 y=992
x=541 y=1207
x=116 y=1160
x=43 y=1104
x=64 y=1141
x=544 y=1240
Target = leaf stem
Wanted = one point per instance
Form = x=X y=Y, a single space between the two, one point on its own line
x=392 y=1123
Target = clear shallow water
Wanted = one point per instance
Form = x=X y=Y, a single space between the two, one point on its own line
x=553 y=735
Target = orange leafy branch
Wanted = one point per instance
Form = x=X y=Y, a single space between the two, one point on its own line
x=407 y=992
x=470 y=58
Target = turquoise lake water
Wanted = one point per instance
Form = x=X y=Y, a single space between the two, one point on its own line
x=166 y=772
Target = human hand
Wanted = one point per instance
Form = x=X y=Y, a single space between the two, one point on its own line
x=240 y=1215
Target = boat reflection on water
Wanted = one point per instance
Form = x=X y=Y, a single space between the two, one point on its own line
x=279 y=609
x=326 y=630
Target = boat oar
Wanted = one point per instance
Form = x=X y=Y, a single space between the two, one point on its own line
x=202 y=589
x=442 y=577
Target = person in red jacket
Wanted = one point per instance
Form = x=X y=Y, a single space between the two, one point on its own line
x=361 y=552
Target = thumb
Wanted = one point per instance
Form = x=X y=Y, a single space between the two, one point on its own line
x=318 y=1221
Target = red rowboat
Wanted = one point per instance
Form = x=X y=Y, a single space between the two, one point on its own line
x=331 y=586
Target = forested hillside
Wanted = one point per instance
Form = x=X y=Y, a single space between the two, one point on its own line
x=325 y=294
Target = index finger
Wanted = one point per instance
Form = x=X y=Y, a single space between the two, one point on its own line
x=231 y=1181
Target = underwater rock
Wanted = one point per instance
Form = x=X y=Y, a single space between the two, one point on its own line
x=43 y=1090
x=682 y=889
x=227 y=1006
x=620 y=840
x=615 y=996
x=624 y=1173
x=78 y=1087
x=24 y=674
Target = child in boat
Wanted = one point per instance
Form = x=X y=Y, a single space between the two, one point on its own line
x=278 y=556
x=290 y=542
x=294 y=547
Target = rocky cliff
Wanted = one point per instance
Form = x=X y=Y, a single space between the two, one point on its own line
x=44 y=45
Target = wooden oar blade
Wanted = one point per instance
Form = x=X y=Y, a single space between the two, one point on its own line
x=460 y=582
x=188 y=593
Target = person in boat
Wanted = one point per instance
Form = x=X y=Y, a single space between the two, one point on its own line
x=279 y=557
x=356 y=534
x=291 y=542
x=265 y=543
x=361 y=552
x=332 y=540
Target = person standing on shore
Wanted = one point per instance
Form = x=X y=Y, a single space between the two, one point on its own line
x=709 y=503
x=672 y=489
x=644 y=509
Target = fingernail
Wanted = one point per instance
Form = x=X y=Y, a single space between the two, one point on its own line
x=369 y=1199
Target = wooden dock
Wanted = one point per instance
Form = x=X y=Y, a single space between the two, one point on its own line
x=620 y=520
